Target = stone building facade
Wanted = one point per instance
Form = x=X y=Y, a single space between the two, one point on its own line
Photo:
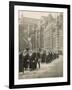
x=45 y=33
x=53 y=33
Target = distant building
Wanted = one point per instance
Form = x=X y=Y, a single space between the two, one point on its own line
x=52 y=32
x=27 y=29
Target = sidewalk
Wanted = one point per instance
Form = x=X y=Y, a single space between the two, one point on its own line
x=53 y=69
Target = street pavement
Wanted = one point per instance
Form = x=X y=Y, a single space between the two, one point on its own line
x=53 y=69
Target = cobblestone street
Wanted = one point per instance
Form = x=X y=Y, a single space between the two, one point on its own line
x=53 y=69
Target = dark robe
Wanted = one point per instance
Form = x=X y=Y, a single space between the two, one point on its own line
x=20 y=62
x=43 y=58
x=26 y=61
x=33 y=61
x=47 y=58
x=38 y=57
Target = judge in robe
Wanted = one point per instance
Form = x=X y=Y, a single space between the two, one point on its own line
x=34 y=61
x=25 y=60
x=47 y=57
x=38 y=59
x=43 y=57
x=30 y=59
x=21 y=62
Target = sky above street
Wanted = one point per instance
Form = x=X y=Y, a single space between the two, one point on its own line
x=33 y=14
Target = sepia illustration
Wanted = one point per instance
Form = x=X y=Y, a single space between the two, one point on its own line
x=40 y=44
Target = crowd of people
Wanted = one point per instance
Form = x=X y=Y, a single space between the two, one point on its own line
x=31 y=60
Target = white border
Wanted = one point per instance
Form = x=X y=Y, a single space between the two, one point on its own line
x=41 y=80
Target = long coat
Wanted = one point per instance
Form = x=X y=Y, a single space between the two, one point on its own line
x=43 y=57
x=47 y=58
x=38 y=59
x=20 y=62
x=25 y=61
x=33 y=61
